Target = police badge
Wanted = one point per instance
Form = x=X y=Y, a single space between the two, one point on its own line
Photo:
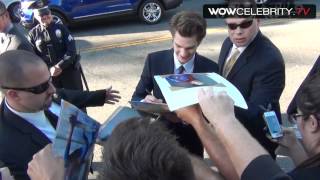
x=58 y=33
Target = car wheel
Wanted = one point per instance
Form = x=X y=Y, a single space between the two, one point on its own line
x=151 y=11
x=14 y=11
x=59 y=18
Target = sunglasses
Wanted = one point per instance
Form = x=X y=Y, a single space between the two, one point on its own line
x=35 y=89
x=243 y=25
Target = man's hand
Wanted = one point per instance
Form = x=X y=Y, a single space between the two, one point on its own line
x=55 y=71
x=112 y=96
x=216 y=106
x=190 y=114
x=45 y=166
x=152 y=99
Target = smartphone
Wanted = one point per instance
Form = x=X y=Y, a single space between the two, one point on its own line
x=272 y=122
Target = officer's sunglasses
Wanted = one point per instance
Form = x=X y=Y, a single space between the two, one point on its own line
x=38 y=89
x=243 y=25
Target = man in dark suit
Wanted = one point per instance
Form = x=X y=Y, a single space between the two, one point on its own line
x=11 y=37
x=252 y=63
x=29 y=111
x=187 y=29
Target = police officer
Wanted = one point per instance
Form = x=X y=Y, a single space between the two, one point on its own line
x=53 y=42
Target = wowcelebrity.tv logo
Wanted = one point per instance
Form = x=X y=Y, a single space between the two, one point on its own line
x=260 y=11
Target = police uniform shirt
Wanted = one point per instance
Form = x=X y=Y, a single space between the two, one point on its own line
x=52 y=43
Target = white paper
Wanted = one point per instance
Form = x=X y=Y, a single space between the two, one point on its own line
x=188 y=96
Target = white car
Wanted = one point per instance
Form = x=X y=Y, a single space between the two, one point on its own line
x=13 y=7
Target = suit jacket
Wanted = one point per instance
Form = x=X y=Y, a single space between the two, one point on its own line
x=20 y=140
x=292 y=108
x=15 y=40
x=160 y=63
x=259 y=74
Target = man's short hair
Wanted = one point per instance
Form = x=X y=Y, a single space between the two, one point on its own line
x=12 y=66
x=188 y=24
x=3 y=8
x=243 y=4
x=140 y=150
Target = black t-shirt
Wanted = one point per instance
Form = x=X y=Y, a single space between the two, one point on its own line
x=308 y=170
x=306 y=174
x=264 y=168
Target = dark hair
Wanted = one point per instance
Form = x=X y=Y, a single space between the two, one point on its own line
x=243 y=4
x=188 y=24
x=308 y=99
x=141 y=150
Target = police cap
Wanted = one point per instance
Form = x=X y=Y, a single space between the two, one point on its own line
x=43 y=11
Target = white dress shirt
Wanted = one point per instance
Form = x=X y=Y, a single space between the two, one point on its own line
x=187 y=66
x=38 y=120
x=241 y=49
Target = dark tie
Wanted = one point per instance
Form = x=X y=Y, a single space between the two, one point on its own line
x=53 y=119
x=181 y=69
x=1 y=39
x=46 y=36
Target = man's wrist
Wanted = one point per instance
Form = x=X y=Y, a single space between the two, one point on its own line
x=222 y=121
x=226 y=124
x=199 y=124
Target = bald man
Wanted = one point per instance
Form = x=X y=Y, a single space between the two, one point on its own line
x=29 y=111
